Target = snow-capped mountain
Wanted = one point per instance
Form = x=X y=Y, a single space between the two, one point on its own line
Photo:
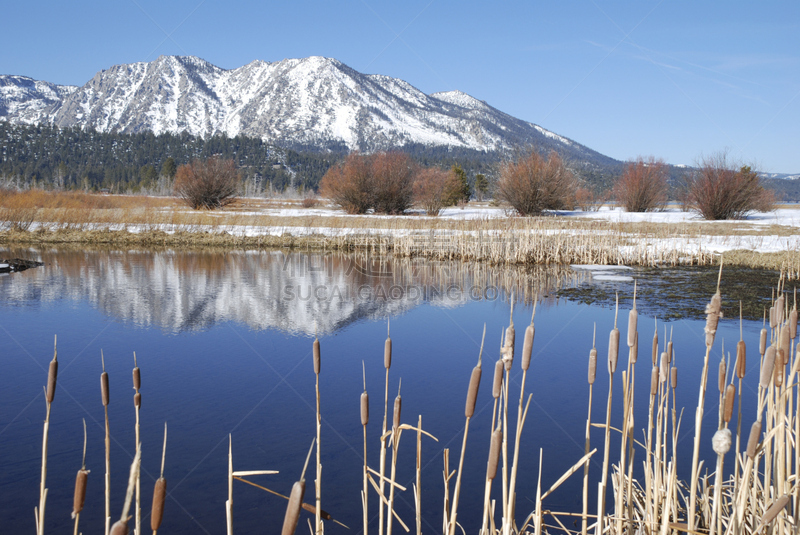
x=314 y=102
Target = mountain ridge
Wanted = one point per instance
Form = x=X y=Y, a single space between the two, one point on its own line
x=313 y=102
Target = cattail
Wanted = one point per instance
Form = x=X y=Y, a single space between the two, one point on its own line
x=779 y=309
x=762 y=342
x=753 y=439
x=778 y=369
x=634 y=353
x=785 y=338
x=159 y=497
x=730 y=394
x=527 y=347
x=669 y=352
x=52 y=373
x=654 y=381
x=293 y=509
x=316 y=352
x=387 y=353
x=773 y=318
x=80 y=491
x=674 y=377
x=723 y=371
x=364 y=408
x=398 y=402
x=592 y=365
x=793 y=323
x=508 y=348
x=120 y=527
x=137 y=379
x=664 y=368
x=767 y=366
x=104 y=390
x=655 y=347
x=137 y=400
x=774 y=510
x=633 y=321
x=713 y=313
x=494 y=453
x=741 y=359
x=613 y=350
x=472 y=392
x=497 y=380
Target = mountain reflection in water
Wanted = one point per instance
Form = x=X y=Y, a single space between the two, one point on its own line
x=291 y=292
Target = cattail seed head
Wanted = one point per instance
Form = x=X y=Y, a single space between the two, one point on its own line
x=785 y=339
x=669 y=352
x=778 y=370
x=527 y=347
x=767 y=366
x=159 y=498
x=633 y=321
x=364 y=408
x=497 y=380
x=674 y=377
x=398 y=403
x=472 y=392
x=592 y=365
x=387 y=353
x=104 y=389
x=137 y=379
x=730 y=395
x=780 y=311
x=741 y=359
x=510 y=339
x=773 y=318
x=52 y=374
x=120 y=527
x=762 y=342
x=664 y=368
x=654 y=381
x=753 y=439
x=634 y=352
x=713 y=313
x=775 y=509
x=723 y=370
x=613 y=350
x=494 y=454
x=293 y=508
x=80 y=491
x=721 y=441
x=793 y=324
x=317 y=360
x=137 y=400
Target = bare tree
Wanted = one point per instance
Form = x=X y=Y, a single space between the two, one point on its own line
x=208 y=184
x=643 y=185
x=721 y=189
x=532 y=184
x=432 y=189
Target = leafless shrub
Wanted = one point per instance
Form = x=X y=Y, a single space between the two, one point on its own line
x=382 y=181
x=431 y=189
x=209 y=184
x=590 y=199
x=310 y=202
x=643 y=185
x=393 y=176
x=721 y=189
x=532 y=184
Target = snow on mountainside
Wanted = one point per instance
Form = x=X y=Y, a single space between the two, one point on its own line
x=315 y=102
x=30 y=101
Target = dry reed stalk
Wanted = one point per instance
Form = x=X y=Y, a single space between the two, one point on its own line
x=229 y=501
x=318 y=481
x=295 y=504
x=137 y=403
x=81 y=479
x=120 y=527
x=418 y=484
x=613 y=357
x=159 y=491
x=49 y=394
x=398 y=403
x=713 y=314
x=469 y=411
x=105 y=396
x=364 y=421
x=592 y=375
x=387 y=363
x=491 y=472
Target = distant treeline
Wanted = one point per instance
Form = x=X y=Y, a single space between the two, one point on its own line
x=74 y=158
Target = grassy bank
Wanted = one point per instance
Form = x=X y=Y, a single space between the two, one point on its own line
x=43 y=218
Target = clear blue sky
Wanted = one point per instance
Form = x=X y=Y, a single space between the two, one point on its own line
x=674 y=79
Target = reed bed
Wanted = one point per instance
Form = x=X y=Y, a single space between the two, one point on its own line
x=751 y=489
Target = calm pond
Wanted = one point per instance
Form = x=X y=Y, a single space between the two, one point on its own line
x=224 y=344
